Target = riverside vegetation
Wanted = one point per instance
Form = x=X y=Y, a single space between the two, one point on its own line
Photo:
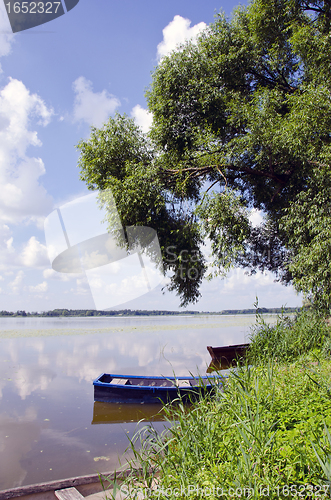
x=265 y=435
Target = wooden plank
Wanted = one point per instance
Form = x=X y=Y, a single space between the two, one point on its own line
x=119 y=381
x=60 y=484
x=68 y=494
x=55 y=485
x=184 y=383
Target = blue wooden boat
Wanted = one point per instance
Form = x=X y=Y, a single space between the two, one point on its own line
x=141 y=389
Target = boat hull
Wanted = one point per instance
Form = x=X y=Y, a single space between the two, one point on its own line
x=226 y=356
x=133 y=389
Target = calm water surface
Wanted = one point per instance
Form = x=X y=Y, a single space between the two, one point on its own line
x=50 y=428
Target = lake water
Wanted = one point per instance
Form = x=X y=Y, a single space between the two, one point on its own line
x=50 y=427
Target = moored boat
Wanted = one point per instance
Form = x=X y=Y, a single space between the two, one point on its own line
x=147 y=389
x=226 y=356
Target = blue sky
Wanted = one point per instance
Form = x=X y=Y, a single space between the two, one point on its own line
x=56 y=81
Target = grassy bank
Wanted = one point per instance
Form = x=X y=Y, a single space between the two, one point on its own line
x=265 y=436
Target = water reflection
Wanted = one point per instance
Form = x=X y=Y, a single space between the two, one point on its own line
x=46 y=392
x=17 y=434
x=111 y=413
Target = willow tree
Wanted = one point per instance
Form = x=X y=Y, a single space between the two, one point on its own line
x=241 y=120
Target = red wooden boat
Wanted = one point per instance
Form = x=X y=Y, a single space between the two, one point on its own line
x=226 y=356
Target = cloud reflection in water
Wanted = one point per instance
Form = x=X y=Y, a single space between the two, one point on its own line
x=47 y=393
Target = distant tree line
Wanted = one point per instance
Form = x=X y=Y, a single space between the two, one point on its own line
x=128 y=312
x=91 y=312
x=261 y=310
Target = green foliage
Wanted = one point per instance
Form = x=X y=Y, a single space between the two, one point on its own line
x=323 y=457
x=265 y=430
x=109 y=149
x=289 y=338
x=117 y=157
x=245 y=114
x=225 y=222
x=311 y=242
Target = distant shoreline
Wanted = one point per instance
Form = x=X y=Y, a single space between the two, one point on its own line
x=60 y=313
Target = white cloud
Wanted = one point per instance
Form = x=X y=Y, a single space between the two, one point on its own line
x=34 y=254
x=176 y=33
x=41 y=288
x=82 y=286
x=55 y=275
x=237 y=279
x=9 y=244
x=256 y=217
x=142 y=117
x=6 y=37
x=261 y=285
x=22 y=196
x=16 y=284
x=37 y=220
x=49 y=273
x=92 y=107
x=7 y=251
x=31 y=254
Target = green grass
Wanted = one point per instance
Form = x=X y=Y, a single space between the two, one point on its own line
x=264 y=436
x=289 y=338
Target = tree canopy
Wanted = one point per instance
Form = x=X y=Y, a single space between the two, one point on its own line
x=241 y=120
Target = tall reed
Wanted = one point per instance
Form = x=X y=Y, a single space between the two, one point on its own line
x=289 y=338
x=258 y=436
